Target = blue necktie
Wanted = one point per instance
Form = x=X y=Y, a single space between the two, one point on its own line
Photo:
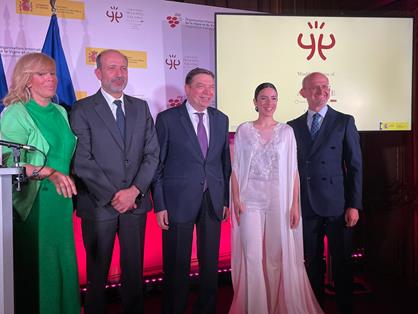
x=315 y=125
x=120 y=117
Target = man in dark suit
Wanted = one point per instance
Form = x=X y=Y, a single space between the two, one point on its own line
x=330 y=167
x=115 y=161
x=192 y=188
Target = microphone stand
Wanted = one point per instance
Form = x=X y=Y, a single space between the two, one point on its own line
x=16 y=149
x=16 y=160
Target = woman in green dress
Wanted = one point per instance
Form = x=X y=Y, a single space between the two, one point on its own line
x=45 y=266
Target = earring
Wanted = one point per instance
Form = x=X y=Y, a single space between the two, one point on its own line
x=256 y=108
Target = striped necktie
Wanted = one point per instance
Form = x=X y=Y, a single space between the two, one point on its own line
x=315 y=125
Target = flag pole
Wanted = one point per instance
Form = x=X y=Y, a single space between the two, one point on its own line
x=53 y=8
x=53 y=47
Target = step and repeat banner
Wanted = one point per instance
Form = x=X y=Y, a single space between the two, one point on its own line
x=163 y=41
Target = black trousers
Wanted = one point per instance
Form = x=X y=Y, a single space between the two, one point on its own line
x=99 y=238
x=340 y=248
x=177 y=249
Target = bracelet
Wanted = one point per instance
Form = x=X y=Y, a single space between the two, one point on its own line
x=52 y=172
x=35 y=174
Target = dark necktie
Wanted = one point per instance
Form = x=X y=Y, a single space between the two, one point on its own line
x=315 y=125
x=120 y=117
x=201 y=134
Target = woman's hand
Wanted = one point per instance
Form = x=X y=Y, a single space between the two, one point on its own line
x=294 y=209
x=64 y=184
x=238 y=208
x=294 y=216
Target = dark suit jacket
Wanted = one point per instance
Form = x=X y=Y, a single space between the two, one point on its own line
x=178 y=185
x=103 y=163
x=330 y=167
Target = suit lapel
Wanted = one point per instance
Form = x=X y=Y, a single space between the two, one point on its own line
x=188 y=127
x=212 y=129
x=103 y=110
x=131 y=113
x=306 y=134
x=326 y=128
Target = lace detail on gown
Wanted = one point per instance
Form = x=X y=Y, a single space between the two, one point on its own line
x=263 y=172
x=264 y=164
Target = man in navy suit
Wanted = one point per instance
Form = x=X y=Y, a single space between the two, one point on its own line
x=191 y=188
x=115 y=162
x=330 y=167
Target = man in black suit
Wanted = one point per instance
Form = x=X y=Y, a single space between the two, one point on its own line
x=192 y=188
x=115 y=161
x=330 y=167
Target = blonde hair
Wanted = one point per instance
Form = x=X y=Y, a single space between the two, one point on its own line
x=25 y=67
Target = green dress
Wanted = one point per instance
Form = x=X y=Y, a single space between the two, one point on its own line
x=46 y=279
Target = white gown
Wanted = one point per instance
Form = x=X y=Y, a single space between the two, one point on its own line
x=268 y=271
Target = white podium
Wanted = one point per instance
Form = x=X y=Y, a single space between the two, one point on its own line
x=6 y=240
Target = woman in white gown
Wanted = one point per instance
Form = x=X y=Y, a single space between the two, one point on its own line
x=268 y=272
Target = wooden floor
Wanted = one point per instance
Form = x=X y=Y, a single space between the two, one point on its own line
x=374 y=295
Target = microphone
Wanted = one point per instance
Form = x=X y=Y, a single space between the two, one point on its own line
x=17 y=145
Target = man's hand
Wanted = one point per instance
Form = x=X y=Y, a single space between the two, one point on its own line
x=124 y=199
x=225 y=214
x=351 y=216
x=162 y=219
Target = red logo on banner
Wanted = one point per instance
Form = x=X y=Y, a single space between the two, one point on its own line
x=93 y=55
x=172 y=62
x=174 y=102
x=25 y=5
x=314 y=46
x=114 y=14
x=173 y=21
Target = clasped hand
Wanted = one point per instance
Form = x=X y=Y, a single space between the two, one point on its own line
x=124 y=199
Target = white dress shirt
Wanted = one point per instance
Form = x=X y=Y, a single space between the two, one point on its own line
x=321 y=113
x=110 y=99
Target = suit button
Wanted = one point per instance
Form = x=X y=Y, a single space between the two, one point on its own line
x=323 y=162
x=124 y=181
x=308 y=178
x=308 y=162
x=126 y=162
x=323 y=179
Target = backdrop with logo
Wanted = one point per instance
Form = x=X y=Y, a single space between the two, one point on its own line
x=368 y=61
x=163 y=41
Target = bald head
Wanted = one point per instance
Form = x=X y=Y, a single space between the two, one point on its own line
x=102 y=54
x=312 y=76
x=316 y=91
